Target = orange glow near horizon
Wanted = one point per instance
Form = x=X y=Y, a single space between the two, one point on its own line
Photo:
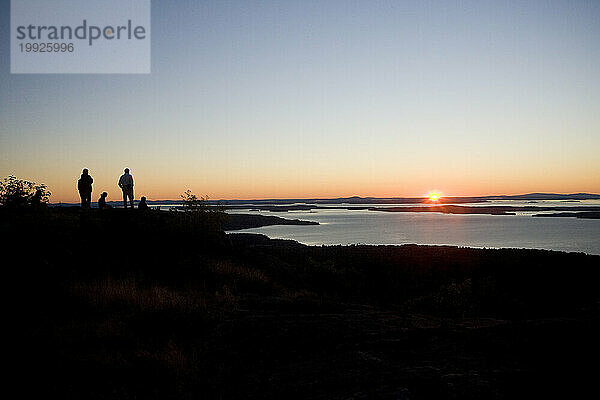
x=434 y=197
x=168 y=182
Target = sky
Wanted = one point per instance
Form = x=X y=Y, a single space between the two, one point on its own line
x=304 y=99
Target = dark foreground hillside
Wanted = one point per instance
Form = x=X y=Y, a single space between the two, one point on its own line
x=130 y=305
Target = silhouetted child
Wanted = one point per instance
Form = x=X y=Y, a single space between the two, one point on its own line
x=102 y=201
x=143 y=205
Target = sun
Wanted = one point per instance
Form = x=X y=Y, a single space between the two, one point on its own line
x=434 y=197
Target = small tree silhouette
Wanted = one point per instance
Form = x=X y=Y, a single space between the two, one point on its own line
x=191 y=202
x=199 y=214
x=15 y=193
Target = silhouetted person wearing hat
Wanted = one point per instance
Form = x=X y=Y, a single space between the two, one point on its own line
x=126 y=184
x=102 y=201
x=84 y=185
x=142 y=204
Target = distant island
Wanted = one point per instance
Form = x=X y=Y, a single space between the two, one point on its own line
x=244 y=221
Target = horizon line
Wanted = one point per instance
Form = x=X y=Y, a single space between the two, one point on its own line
x=487 y=196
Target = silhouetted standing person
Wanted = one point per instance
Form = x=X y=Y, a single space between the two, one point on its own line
x=84 y=185
x=126 y=184
x=142 y=204
x=102 y=201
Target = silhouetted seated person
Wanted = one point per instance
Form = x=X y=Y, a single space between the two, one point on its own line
x=84 y=186
x=143 y=205
x=102 y=202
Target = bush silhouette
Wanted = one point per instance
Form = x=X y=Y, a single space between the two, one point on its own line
x=16 y=193
x=199 y=213
x=191 y=202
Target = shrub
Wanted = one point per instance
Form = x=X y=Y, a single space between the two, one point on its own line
x=200 y=214
x=191 y=202
x=16 y=192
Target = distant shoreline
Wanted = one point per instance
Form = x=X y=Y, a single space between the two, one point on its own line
x=236 y=222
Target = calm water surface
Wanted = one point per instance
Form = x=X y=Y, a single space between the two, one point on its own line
x=372 y=227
